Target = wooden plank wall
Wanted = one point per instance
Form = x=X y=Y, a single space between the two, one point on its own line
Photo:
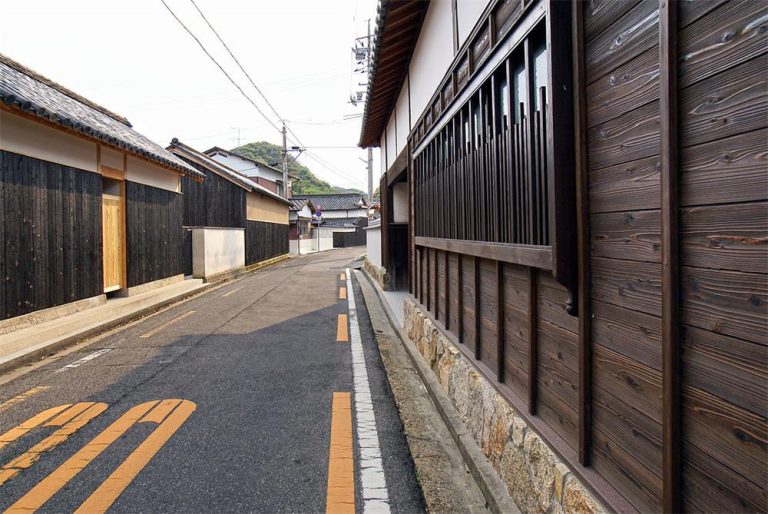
x=153 y=232
x=50 y=234
x=216 y=202
x=723 y=224
x=264 y=240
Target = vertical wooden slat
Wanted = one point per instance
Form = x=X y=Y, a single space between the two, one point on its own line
x=476 y=289
x=447 y=291
x=670 y=336
x=460 y=292
x=500 y=321
x=582 y=228
x=533 y=345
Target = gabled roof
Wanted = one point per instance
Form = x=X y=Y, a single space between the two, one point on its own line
x=259 y=162
x=26 y=91
x=211 y=165
x=334 y=202
x=298 y=204
x=397 y=30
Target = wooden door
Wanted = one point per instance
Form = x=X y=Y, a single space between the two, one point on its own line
x=111 y=215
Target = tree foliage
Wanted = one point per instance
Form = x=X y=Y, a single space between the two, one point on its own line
x=270 y=154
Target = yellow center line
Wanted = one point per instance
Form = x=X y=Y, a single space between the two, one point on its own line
x=340 y=497
x=70 y=421
x=232 y=291
x=165 y=325
x=342 y=293
x=21 y=397
x=103 y=497
x=342 y=331
x=343 y=276
x=33 y=422
x=50 y=485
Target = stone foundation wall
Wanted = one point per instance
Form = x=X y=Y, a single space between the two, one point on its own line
x=535 y=477
x=377 y=272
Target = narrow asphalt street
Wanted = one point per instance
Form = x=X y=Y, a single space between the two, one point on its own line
x=255 y=382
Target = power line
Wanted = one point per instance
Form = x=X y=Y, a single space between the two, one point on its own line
x=219 y=65
x=235 y=59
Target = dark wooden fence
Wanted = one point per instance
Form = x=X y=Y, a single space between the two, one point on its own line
x=349 y=239
x=50 y=234
x=216 y=202
x=153 y=233
x=264 y=241
x=657 y=390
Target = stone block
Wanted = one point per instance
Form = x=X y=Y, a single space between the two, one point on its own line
x=576 y=499
x=541 y=466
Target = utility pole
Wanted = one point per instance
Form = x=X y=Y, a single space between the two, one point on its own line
x=285 y=163
x=370 y=150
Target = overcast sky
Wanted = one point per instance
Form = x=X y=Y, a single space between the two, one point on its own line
x=135 y=59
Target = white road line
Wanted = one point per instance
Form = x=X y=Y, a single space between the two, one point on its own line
x=232 y=291
x=85 y=359
x=374 y=494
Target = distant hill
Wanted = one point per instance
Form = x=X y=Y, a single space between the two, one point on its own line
x=308 y=183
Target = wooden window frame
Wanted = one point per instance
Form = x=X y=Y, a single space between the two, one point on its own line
x=559 y=257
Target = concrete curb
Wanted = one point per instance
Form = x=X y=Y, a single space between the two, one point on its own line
x=46 y=348
x=492 y=487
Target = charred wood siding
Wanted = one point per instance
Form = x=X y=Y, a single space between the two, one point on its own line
x=154 y=234
x=349 y=239
x=264 y=241
x=509 y=317
x=723 y=251
x=50 y=234
x=216 y=202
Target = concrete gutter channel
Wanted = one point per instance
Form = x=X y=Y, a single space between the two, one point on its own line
x=494 y=491
x=53 y=345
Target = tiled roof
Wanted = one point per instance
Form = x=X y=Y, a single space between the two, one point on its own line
x=27 y=91
x=209 y=164
x=334 y=202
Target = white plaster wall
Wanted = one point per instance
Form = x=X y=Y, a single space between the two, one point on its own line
x=382 y=157
x=373 y=244
x=402 y=115
x=26 y=137
x=233 y=161
x=400 y=202
x=391 y=142
x=216 y=250
x=432 y=55
x=468 y=13
x=112 y=158
x=352 y=213
x=148 y=174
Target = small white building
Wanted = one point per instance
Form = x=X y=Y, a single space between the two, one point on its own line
x=260 y=172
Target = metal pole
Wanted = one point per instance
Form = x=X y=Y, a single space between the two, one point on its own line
x=285 y=163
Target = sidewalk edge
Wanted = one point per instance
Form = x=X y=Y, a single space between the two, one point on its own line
x=492 y=487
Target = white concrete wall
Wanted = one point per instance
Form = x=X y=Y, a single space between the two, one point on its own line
x=468 y=13
x=216 y=250
x=373 y=244
x=26 y=137
x=112 y=158
x=149 y=174
x=400 y=202
x=311 y=243
x=402 y=115
x=432 y=55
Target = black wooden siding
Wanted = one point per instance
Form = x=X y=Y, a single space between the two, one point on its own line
x=154 y=234
x=264 y=240
x=50 y=234
x=216 y=202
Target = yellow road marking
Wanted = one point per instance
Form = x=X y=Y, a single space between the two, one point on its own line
x=342 y=331
x=70 y=421
x=342 y=293
x=232 y=291
x=340 y=497
x=38 y=419
x=21 y=397
x=166 y=324
x=343 y=276
x=50 y=485
x=177 y=412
